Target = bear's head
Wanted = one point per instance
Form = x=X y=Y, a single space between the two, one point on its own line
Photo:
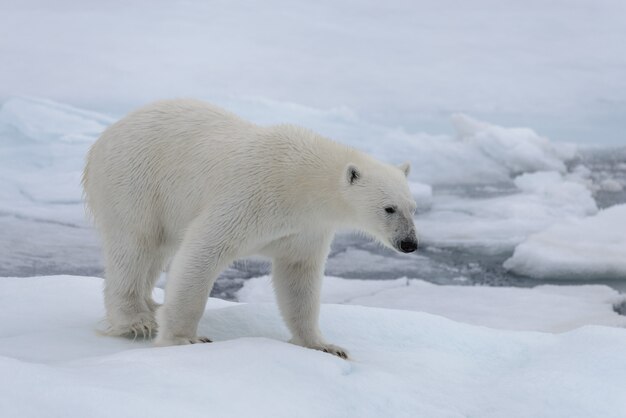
x=381 y=203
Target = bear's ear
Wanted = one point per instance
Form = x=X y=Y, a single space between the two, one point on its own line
x=352 y=174
x=406 y=168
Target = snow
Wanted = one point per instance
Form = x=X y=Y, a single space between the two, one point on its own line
x=588 y=248
x=543 y=308
x=404 y=364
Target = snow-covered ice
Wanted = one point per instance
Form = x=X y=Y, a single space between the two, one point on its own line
x=405 y=364
x=542 y=308
x=588 y=248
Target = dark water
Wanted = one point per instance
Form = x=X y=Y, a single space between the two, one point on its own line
x=34 y=247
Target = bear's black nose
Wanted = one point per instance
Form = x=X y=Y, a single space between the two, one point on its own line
x=408 y=246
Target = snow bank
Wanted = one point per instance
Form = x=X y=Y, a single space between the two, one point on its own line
x=405 y=364
x=542 y=308
x=589 y=248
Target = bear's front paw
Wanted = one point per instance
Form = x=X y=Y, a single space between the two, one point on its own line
x=332 y=349
x=319 y=344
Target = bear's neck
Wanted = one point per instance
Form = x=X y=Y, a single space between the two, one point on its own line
x=316 y=179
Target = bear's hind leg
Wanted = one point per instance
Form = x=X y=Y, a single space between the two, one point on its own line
x=192 y=273
x=131 y=272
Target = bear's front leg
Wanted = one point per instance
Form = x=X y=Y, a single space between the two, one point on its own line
x=298 y=285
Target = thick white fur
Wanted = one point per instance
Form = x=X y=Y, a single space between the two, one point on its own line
x=186 y=185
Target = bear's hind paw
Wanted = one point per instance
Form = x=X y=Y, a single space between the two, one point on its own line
x=143 y=326
x=181 y=341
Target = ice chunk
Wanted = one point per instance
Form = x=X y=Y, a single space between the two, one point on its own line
x=588 y=248
x=499 y=223
x=518 y=149
x=560 y=192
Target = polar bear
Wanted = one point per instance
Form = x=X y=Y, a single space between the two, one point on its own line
x=188 y=187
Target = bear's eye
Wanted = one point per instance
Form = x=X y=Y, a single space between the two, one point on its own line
x=390 y=209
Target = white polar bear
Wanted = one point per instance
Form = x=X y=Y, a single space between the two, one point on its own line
x=184 y=185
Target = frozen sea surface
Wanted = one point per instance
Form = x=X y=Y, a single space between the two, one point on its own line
x=481 y=193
